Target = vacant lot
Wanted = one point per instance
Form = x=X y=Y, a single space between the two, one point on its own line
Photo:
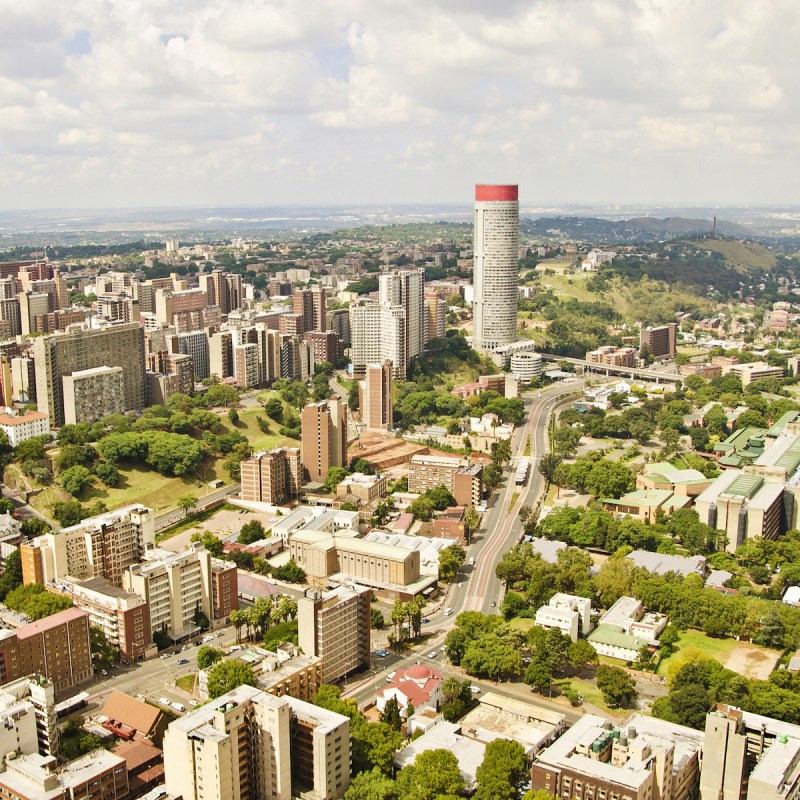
x=749 y=660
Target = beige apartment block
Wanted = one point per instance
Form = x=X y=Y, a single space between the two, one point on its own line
x=248 y=744
x=324 y=437
x=91 y=394
x=273 y=477
x=99 y=547
x=376 y=397
x=335 y=626
x=461 y=478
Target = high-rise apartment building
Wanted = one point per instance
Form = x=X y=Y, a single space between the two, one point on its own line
x=272 y=477
x=436 y=310
x=64 y=353
x=378 y=333
x=406 y=288
x=91 y=394
x=324 y=437
x=311 y=305
x=297 y=358
x=123 y=616
x=57 y=646
x=335 y=625
x=326 y=344
x=98 y=547
x=246 y=370
x=338 y=321
x=248 y=744
x=220 y=354
x=375 y=399
x=496 y=271
x=659 y=341
x=223 y=289
x=195 y=345
x=178 y=585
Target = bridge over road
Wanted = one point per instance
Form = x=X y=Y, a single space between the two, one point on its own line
x=608 y=369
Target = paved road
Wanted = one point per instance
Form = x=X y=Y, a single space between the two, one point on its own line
x=167 y=518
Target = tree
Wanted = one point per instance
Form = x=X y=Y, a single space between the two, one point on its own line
x=450 y=560
x=772 y=632
x=12 y=574
x=227 y=675
x=609 y=479
x=687 y=705
x=503 y=771
x=238 y=619
x=334 y=477
x=492 y=475
x=187 y=503
x=35 y=601
x=208 y=655
x=107 y=473
x=452 y=689
x=220 y=394
x=274 y=409
x=209 y=541
x=391 y=714
x=68 y=512
x=252 y=531
x=617 y=686
x=290 y=572
x=580 y=654
x=75 y=479
x=539 y=675
x=372 y=785
x=434 y=773
x=376 y=619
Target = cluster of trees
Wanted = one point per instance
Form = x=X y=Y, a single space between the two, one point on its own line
x=208 y=656
x=168 y=453
x=406 y=620
x=595 y=475
x=227 y=675
x=508 y=409
x=450 y=561
x=35 y=601
x=592 y=526
x=485 y=646
x=701 y=681
x=552 y=653
x=12 y=574
x=261 y=618
x=431 y=501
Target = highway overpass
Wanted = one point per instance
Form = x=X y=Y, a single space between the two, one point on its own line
x=607 y=369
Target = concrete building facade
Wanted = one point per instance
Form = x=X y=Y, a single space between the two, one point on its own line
x=272 y=477
x=91 y=394
x=462 y=479
x=324 y=437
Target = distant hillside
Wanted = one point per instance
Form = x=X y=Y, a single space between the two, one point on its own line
x=629 y=231
x=742 y=256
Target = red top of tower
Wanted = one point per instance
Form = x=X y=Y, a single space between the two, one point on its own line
x=493 y=191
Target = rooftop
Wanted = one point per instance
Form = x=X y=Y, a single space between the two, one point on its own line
x=48 y=623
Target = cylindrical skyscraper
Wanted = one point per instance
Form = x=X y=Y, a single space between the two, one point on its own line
x=496 y=274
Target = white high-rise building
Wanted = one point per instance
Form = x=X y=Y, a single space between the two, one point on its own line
x=406 y=288
x=377 y=334
x=496 y=278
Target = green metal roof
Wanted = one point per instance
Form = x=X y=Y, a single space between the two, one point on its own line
x=780 y=424
x=745 y=486
x=615 y=636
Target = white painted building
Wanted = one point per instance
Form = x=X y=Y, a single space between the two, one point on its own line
x=19 y=427
x=570 y=614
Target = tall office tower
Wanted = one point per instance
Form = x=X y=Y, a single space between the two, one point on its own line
x=310 y=303
x=272 y=477
x=32 y=306
x=437 y=313
x=99 y=547
x=659 y=341
x=324 y=437
x=269 y=353
x=62 y=354
x=496 y=272
x=378 y=333
x=376 y=397
x=406 y=288
x=220 y=354
x=245 y=365
x=335 y=626
x=195 y=344
x=91 y=394
x=248 y=744
x=8 y=288
x=62 y=293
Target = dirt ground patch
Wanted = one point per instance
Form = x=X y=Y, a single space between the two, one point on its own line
x=752 y=661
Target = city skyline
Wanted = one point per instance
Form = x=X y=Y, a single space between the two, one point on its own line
x=247 y=103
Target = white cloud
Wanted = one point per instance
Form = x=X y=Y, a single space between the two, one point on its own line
x=356 y=100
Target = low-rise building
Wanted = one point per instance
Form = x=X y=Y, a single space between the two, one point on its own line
x=21 y=427
x=316 y=518
x=662 y=475
x=643 y=759
x=129 y=718
x=663 y=563
x=272 y=477
x=568 y=613
x=365 y=487
x=419 y=686
x=625 y=629
x=755 y=371
x=646 y=504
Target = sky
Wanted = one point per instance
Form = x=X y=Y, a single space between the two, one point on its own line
x=120 y=103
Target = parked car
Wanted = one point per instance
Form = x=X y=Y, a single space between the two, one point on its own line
x=448 y=612
x=432 y=655
x=178 y=706
x=164 y=701
x=425 y=619
x=475 y=689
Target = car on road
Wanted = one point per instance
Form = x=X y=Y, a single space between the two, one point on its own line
x=104 y=672
x=233 y=648
x=448 y=612
x=460 y=585
x=494 y=603
x=432 y=655
x=164 y=701
x=193 y=702
x=178 y=706
x=381 y=653
x=390 y=677
x=475 y=689
x=182 y=661
x=472 y=561
x=221 y=633
x=425 y=619
x=207 y=638
x=163 y=656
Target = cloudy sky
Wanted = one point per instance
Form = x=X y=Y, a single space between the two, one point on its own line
x=176 y=102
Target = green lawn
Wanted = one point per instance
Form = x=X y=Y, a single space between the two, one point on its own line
x=718 y=649
x=591 y=694
x=523 y=624
x=187 y=682
x=248 y=426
